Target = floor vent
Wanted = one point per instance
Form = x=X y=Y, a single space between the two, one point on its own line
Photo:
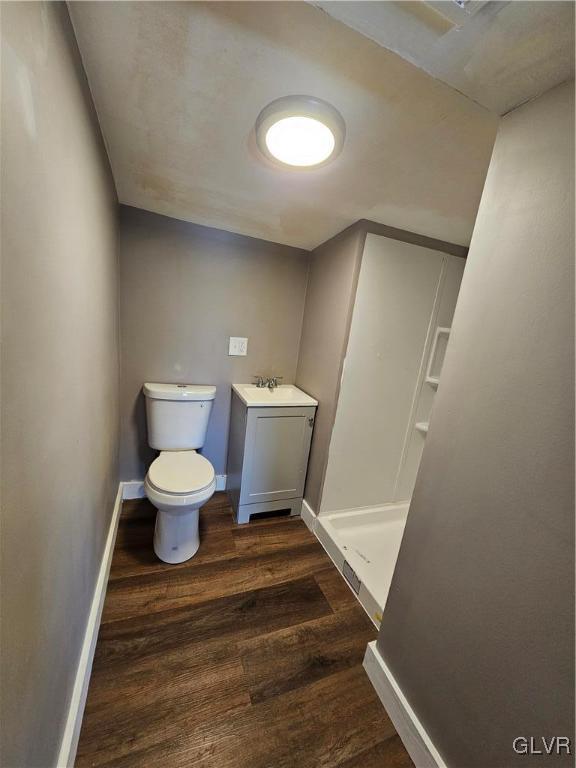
x=350 y=575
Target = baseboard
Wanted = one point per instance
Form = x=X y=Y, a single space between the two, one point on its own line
x=69 y=744
x=413 y=734
x=134 y=489
x=308 y=516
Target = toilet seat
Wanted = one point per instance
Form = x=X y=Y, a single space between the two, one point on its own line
x=178 y=503
x=180 y=473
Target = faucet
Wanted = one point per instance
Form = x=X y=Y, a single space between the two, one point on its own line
x=271 y=382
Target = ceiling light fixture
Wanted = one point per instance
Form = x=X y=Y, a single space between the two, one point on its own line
x=300 y=131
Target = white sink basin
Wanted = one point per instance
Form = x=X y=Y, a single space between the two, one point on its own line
x=284 y=395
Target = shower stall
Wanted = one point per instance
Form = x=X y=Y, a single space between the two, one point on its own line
x=398 y=333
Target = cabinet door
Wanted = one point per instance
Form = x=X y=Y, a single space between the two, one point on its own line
x=276 y=453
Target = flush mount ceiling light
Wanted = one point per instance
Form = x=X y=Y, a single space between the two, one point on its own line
x=300 y=131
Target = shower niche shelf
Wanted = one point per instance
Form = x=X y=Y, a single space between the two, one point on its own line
x=436 y=358
x=435 y=362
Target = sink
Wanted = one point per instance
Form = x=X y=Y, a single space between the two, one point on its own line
x=282 y=396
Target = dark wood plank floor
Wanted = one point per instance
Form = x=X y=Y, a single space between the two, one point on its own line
x=247 y=656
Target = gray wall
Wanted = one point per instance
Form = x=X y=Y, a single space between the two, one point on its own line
x=329 y=301
x=479 y=625
x=184 y=290
x=59 y=372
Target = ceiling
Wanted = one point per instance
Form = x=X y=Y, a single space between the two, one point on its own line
x=500 y=54
x=178 y=86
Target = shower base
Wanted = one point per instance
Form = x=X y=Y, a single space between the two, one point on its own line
x=364 y=545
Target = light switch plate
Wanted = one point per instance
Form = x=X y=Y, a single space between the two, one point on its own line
x=238 y=346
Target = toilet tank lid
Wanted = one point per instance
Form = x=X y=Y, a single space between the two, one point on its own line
x=180 y=391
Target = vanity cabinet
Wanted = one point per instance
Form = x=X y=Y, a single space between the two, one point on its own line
x=267 y=457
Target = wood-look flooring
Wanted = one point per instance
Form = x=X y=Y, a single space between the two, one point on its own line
x=249 y=655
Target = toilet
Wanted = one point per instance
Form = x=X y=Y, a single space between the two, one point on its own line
x=180 y=480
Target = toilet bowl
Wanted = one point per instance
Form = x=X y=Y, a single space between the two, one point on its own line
x=180 y=480
x=178 y=483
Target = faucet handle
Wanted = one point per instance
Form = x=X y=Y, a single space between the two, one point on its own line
x=274 y=380
x=260 y=381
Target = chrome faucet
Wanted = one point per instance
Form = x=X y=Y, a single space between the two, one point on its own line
x=271 y=382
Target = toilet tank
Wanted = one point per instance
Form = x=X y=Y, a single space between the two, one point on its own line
x=177 y=415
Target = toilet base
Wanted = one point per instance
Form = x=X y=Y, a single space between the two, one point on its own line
x=176 y=536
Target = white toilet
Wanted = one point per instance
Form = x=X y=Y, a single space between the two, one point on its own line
x=179 y=481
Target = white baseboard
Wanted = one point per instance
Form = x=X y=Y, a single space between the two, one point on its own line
x=414 y=737
x=134 y=489
x=308 y=516
x=69 y=743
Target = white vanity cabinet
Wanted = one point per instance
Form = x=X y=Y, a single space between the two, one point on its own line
x=268 y=455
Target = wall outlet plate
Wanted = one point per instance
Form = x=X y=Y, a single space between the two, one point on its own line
x=238 y=346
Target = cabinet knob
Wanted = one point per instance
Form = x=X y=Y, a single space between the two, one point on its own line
x=311 y=421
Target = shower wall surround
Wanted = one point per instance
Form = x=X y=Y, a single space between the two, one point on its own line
x=405 y=293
